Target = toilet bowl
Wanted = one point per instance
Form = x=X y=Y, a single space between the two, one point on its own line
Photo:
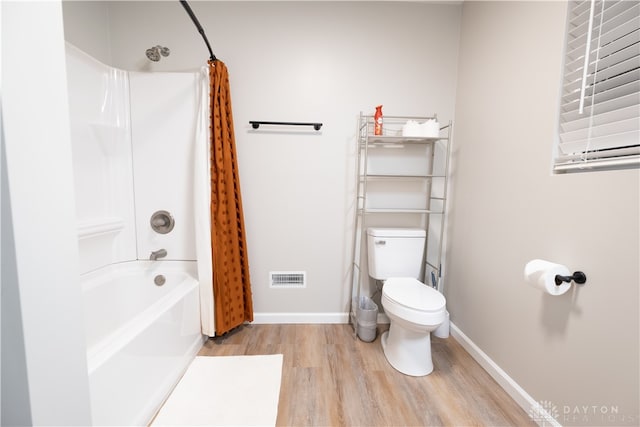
x=415 y=310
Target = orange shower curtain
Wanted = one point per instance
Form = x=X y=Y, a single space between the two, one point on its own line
x=231 y=282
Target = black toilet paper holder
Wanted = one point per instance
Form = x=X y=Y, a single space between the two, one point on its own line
x=579 y=277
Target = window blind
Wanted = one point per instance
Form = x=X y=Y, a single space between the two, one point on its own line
x=600 y=103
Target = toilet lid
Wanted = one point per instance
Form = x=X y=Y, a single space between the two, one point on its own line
x=413 y=294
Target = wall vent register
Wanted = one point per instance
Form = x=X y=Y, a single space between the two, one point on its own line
x=287 y=279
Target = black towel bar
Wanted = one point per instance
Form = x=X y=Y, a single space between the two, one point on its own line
x=256 y=124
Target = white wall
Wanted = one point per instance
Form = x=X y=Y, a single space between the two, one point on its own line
x=579 y=349
x=47 y=365
x=303 y=61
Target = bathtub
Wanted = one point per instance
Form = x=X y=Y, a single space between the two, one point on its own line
x=140 y=336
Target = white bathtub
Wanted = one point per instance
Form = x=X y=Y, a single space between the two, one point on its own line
x=140 y=336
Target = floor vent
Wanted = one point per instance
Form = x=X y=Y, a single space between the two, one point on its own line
x=288 y=279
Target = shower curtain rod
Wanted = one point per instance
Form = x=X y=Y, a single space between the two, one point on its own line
x=198 y=26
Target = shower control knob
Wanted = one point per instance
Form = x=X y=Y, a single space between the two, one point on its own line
x=162 y=222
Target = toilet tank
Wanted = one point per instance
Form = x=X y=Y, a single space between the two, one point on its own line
x=395 y=252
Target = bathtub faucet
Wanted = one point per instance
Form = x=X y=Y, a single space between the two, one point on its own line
x=160 y=253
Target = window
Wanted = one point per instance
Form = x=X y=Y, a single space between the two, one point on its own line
x=600 y=104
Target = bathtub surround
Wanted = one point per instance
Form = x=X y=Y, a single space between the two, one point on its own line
x=136 y=140
x=100 y=122
x=225 y=391
x=230 y=262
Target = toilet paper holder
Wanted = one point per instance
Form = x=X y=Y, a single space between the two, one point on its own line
x=578 y=276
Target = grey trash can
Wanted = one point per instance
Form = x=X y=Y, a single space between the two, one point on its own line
x=367 y=319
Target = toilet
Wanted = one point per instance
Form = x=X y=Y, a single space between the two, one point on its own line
x=414 y=309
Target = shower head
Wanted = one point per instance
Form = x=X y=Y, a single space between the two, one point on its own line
x=154 y=53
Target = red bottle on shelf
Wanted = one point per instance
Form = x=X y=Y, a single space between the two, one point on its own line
x=377 y=119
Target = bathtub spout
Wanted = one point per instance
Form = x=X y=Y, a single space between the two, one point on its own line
x=160 y=253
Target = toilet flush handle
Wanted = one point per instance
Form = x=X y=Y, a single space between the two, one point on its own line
x=381 y=242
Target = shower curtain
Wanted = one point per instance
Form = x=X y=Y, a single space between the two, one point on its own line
x=233 y=304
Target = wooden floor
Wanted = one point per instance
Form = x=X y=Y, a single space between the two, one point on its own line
x=331 y=379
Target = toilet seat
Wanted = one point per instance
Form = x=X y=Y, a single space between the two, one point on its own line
x=413 y=294
x=413 y=301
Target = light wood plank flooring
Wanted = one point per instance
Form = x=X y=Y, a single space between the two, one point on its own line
x=331 y=379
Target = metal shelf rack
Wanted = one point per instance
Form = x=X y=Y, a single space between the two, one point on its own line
x=431 y=178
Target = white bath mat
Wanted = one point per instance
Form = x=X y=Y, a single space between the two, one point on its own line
x=225 y=391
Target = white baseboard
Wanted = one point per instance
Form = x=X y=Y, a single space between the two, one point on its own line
x=291 y=318
x=538 y=413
